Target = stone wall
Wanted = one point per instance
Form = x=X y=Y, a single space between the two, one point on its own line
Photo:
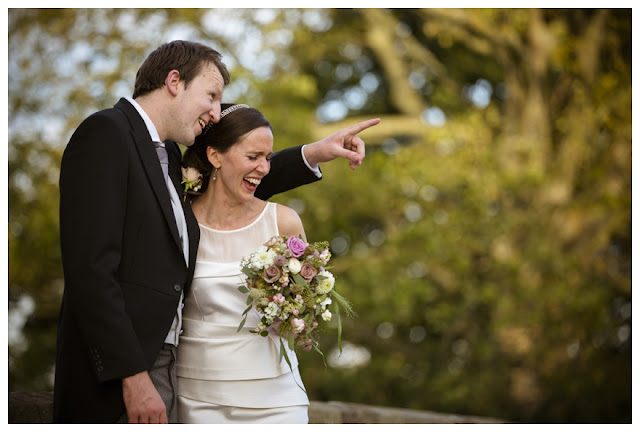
x=26 y=407
x=350 y=413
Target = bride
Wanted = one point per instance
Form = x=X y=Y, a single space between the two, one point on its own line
x=226 y=375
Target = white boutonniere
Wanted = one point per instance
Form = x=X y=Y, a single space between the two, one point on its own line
x=192 y=180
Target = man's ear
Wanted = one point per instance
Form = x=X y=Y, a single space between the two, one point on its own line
x=214 y=157
x=172 y=81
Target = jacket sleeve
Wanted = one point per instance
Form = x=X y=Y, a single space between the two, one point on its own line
x=93 y=189
x=288 y=171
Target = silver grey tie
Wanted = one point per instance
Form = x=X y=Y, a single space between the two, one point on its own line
x=164 y=161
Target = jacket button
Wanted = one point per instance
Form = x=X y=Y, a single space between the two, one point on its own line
x=177 y=288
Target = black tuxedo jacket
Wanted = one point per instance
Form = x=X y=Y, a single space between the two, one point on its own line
x=122 y=258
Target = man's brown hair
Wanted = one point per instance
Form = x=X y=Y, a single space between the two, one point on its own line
x=186 y=57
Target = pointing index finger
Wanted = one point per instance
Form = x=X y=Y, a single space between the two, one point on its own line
x=359 y=127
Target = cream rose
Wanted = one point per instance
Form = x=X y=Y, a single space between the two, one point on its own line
x=191 y=178
x=294 y=266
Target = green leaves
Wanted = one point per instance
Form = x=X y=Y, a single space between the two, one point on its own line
x=300 y=280
x=283 y=354
x=246 y=311
x=241 y=325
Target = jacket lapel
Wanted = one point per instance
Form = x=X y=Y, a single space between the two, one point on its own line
x=150 y=162
x=175 y=162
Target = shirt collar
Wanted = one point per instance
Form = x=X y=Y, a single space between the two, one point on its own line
x=153 y=132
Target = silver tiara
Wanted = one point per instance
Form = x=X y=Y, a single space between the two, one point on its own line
x=232 y=109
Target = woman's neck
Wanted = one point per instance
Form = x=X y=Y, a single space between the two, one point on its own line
x=217 y=211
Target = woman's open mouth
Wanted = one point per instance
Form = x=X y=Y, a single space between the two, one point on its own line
x=251 y=183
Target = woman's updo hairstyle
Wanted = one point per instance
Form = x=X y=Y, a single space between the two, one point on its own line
x=235 y=122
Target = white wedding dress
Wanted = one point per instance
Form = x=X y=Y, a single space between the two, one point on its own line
x=226 y=376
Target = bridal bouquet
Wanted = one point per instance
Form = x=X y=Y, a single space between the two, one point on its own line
x=289 y=284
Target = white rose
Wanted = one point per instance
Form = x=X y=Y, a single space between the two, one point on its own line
x=294 y=265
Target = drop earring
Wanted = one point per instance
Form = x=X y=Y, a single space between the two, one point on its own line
x=215 y=174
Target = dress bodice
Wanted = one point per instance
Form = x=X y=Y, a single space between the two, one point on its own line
x=214 y=295
x=230 y=246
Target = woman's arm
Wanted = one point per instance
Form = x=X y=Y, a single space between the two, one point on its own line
x=289 y=223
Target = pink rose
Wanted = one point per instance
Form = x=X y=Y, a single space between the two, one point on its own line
x=271 y=274
x=297 y=246
x=307 y=271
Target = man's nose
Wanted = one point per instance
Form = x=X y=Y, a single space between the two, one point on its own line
x=214 y=112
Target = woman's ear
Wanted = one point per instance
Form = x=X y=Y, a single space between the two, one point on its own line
x=172 y=81
x=214 y=157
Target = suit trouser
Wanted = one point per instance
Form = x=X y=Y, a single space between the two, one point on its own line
x=163 y=377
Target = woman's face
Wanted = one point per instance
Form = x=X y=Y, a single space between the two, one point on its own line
x=243 y=167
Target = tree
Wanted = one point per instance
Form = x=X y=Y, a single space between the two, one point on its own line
x=520 y=202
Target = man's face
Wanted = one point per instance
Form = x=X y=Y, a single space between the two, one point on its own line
x=197 y=105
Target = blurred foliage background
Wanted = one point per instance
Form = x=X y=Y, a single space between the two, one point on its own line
x=486 y=240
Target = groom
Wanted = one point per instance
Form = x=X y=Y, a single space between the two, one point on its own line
x=129 y=240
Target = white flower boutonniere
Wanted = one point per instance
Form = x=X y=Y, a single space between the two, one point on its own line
x=192 y=180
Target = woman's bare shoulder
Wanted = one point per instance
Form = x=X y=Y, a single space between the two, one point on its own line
x=289 y=222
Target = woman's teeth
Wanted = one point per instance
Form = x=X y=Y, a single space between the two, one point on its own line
x=252 y=181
